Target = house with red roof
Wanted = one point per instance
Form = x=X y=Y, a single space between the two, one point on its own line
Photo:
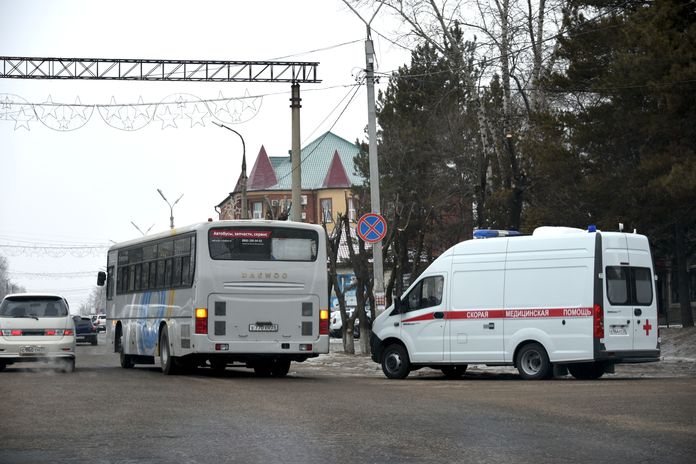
x=328 y=174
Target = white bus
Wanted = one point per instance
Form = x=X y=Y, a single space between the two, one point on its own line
x=250 y=293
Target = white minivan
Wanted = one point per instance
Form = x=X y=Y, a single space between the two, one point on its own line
x=559 y=300
x=36 y=327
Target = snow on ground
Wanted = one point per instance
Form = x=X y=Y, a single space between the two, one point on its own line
x=678 y=352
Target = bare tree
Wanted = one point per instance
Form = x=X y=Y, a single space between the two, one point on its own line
x=516 y=50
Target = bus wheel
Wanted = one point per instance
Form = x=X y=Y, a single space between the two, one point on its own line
x=126 y=360
x=586 y=371
x=395 y=363
x=454 y=372
x=168 y=362
x=533 y=362
x=280 y=368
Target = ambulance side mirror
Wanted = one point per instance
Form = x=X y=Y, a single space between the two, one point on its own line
x=101 y=278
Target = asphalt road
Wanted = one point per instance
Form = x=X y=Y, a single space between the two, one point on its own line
x=319 y=413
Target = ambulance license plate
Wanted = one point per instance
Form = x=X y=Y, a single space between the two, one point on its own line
x=618 y=330
x=263 y=327
x=32 y=349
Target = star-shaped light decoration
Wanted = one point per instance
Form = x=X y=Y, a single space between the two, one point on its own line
x=5 y=108
x=221 y=106
x=167 y=117
x=142 y=110
x=80 y=112
x=196 y=116
x=111 y=111
x=249 y=102
x=22 y=118
x=48 y=108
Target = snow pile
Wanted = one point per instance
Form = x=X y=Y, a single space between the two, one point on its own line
x=678 y=344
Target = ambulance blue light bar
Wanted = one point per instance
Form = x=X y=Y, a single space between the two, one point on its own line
x=491 y=233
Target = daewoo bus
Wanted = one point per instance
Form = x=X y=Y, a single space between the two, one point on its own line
x=251 y=293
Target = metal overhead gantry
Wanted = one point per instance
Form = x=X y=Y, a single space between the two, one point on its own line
x=159 y=70
x=293 y=72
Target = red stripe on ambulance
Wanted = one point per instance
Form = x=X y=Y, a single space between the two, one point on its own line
x=508 y=314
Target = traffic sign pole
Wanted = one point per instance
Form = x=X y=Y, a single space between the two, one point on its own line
x=372 y=228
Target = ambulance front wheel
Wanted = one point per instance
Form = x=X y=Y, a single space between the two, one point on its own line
x=395 y=362
x=533 y=362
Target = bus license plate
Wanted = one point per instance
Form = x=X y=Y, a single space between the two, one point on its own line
x=32 y=349
x=263 y=328
x=618 y=330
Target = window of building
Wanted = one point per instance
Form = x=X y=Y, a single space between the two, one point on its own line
x=257 y=208
x=326 y=213
x=351 y=209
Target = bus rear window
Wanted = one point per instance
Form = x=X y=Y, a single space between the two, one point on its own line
x=262 y=244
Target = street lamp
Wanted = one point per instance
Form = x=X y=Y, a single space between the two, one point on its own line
x=144 y=233
x=171 y=207
x=244 y=176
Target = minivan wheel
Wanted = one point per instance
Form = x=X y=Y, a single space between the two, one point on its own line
x=395 y=362
x=533 y=362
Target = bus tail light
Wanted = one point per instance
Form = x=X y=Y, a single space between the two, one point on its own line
x=324 y=322
x=598 y=319
x=201 y=320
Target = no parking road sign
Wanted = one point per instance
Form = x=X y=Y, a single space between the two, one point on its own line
x=372 y=228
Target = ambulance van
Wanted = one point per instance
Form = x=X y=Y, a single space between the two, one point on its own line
x=557 y=301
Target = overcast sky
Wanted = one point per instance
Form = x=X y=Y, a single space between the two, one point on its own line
x=85 y=185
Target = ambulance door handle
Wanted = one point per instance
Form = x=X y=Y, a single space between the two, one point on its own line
x=637 y=311
x=438 y=315
x=490 y=325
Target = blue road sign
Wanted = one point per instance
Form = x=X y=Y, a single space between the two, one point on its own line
x=372 y=228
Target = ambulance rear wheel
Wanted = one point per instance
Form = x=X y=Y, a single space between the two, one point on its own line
x=533 y=362
x=454 y=372
x=586 y=371
x=395 y=362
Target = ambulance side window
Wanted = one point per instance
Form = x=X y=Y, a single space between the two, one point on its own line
x=617 y=285
x=427 y=293
x=643 y=285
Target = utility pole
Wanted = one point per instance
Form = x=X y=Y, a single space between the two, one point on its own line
x=378 y=261
x=296 y=162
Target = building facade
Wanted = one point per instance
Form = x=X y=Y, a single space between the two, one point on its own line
x=328 y=175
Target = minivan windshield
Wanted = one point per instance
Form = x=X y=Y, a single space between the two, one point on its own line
x=33 y=306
